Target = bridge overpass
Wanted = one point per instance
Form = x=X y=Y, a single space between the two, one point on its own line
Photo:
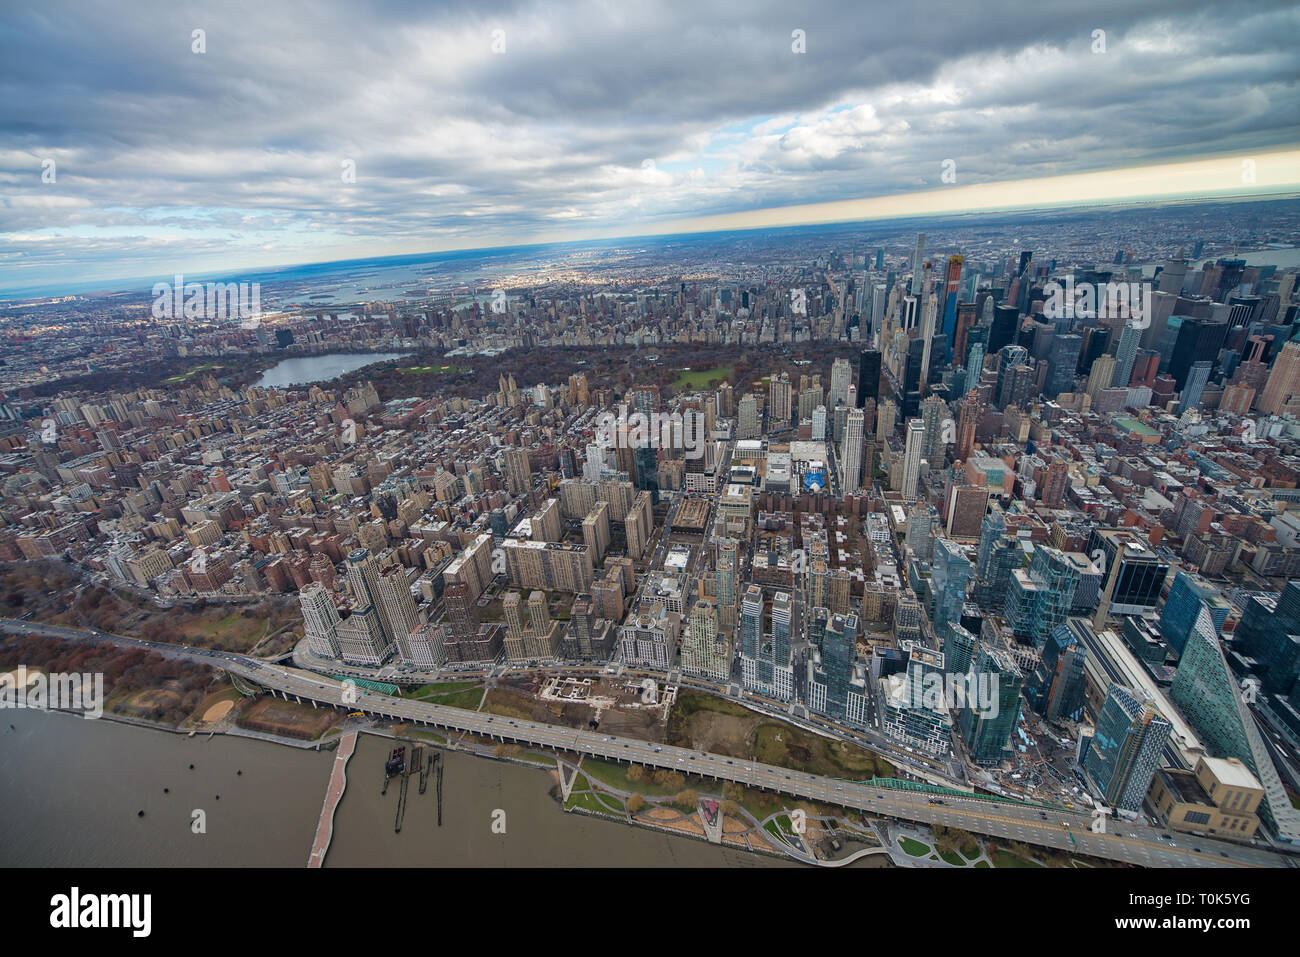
x=1066 y=830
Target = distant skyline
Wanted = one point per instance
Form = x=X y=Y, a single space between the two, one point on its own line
x=499 y=124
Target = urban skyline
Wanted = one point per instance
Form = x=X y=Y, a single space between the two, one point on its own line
x=658 y=436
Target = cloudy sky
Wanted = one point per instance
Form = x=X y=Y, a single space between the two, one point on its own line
x=124 y=153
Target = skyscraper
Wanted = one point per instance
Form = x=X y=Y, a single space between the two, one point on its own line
x=974 y=365
x=320 y=620
x=518 y=471
x=1198 y=340
x=647 y=471
x=779 y=406
x=747 y=426
x=1056 y=688
x=939 y=429
x=949 y=574
x=1039 y=598
x=851 y=453
x=397 y=607
x=912 y=459
x=967 y=421
x=838 y=650
x=868 y=376
x=1206 y=693
x=726 y=567
x=1269 y=632
x=951 y=286
x=1062 y=360
x=782 y=625
x=1130 y=338
x=1125 y=750
x=1101 y=376
x=1197 y=378
x=986 y=726
x=705 y=653
x=918 y=257
x=886 y=417
x=363 y=577
x=841 y=379
x=1003 y=330
x=1187 y=595
x=1283 y=379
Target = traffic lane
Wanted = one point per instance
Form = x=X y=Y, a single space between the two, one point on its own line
x=777 y=779
x=757 y=774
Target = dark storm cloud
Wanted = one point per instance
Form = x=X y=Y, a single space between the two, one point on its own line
x=597 y=116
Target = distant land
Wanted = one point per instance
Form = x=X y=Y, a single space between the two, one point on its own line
x=500 y=257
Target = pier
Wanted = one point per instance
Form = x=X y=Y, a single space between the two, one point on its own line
x=333 y=795
x=401 y=798
x=438 y=765
x=425 y=764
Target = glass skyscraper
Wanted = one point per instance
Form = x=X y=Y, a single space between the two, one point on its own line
x=987 y=730
x=1039 y=600
x=1183 y=607
x=1125 y=750
x=839 y=648
x=1208 y=697
x=948 y=576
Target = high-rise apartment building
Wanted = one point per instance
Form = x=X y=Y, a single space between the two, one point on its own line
x=518 y=471
x=986 y=726
x=1126 y=747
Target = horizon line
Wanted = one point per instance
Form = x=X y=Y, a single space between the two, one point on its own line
x=1186 y=181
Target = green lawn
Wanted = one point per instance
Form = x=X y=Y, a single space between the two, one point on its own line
x=454 y=694
x=694 y=379
x=615 y=776
x=591 y=801
x=1004 y=858
x=469 y=699
x=913 y=848
x=193 y=372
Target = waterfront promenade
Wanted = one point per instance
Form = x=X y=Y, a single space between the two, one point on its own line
x=333 y=795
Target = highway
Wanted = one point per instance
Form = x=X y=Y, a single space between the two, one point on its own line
x=1067 y=830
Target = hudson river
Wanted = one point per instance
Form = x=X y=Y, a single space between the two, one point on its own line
x=72 y=790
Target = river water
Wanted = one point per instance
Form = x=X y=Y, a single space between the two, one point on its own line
x=71 y=790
